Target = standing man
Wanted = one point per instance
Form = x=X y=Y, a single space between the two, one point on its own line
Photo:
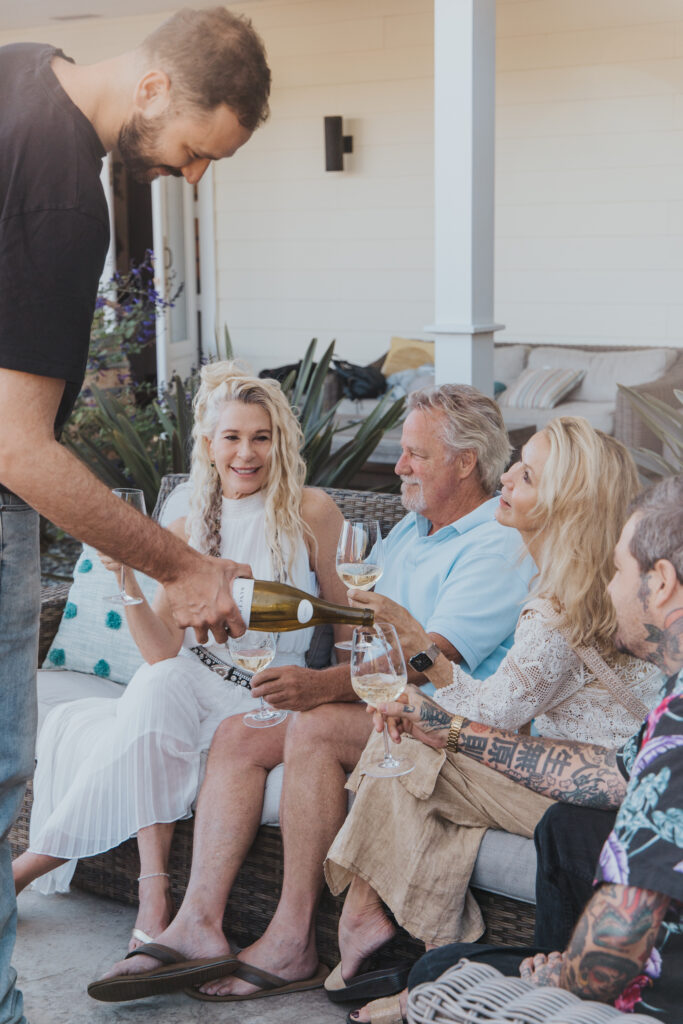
x=627 y=947
x=192 y=92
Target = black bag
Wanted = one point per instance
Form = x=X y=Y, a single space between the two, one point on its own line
x=360 y=381
x=281 y=373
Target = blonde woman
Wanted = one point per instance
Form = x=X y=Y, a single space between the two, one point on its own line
x=111 y=769
x=567 y=497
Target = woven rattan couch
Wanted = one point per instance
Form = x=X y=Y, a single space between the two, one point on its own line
x=256 y=890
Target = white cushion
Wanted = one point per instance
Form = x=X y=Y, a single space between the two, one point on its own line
x=541 y=388
x=599 y=414
x=607 y=369
x=60 y=687
x=553 y=356
x=508 y=362
x=506 y=865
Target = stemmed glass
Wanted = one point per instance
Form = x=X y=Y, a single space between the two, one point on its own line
x=360 y=558
x=378 y=675
x=254 y=651
x=135 y=497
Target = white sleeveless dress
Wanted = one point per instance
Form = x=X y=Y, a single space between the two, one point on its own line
x=107 y=768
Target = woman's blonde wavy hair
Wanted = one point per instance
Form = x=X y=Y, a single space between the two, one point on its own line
x=587 y=485
x=228 y=381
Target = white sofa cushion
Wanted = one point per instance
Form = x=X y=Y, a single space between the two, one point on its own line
x=508 y=362
x=607 y=369
x=541 y=388
x=604 y=370
x=599 y=414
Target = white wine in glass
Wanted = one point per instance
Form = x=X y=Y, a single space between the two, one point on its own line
x=379 y=675
x=360 y=558
x=254 y=651
x=135 y=497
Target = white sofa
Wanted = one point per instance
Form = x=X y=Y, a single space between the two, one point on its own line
x=654 y=371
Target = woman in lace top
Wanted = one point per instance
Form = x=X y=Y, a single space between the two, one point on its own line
x=567 y=497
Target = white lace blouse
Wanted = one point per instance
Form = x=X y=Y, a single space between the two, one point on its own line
x=542 y=678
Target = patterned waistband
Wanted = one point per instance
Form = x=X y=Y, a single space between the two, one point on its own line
x=222 y=668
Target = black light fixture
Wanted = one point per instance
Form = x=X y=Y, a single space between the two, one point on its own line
x=336 y=144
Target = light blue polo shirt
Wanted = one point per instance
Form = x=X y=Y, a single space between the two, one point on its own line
x=465 y=582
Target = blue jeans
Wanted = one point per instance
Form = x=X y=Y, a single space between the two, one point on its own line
x=19 y=623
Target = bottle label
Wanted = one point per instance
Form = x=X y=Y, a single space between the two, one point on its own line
x=304 y=612
x=243 y=592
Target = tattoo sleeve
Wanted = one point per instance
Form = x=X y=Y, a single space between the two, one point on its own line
x=576 y=773
x=612 y=941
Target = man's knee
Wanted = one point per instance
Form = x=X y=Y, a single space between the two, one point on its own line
x=329 y=728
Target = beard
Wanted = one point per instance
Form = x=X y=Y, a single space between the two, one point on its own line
x=412 y=494
x=137 y=145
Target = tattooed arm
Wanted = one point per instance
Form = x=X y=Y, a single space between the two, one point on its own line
x=612 y=941
x=576 y=773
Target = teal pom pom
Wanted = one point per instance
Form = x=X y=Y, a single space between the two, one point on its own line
x=113 y=620
x=102 y=669
x=70 y=610
x=85 y=566
x=56 y=656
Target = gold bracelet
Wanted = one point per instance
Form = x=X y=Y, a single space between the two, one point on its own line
x=454 y=733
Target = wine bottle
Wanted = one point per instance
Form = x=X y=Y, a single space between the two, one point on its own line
x=277 y=607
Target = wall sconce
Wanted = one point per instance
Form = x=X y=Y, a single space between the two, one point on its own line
x=336 y=144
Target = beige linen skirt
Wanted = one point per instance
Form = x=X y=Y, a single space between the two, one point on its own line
x=415 y=839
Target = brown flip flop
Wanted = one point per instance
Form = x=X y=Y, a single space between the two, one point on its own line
x=175 y=975
x=269 y=984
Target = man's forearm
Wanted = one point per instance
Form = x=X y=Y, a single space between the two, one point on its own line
x=576 y=773
x=60 y=487
x=612 y=941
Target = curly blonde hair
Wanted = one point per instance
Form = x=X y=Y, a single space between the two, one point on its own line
x=587 y=485
x=224 y=382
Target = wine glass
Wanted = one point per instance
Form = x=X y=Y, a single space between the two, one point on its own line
x=360 y=558
x=378 y=674
x=135 y=497
x=254 y=651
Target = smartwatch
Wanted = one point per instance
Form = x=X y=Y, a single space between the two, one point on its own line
x=425 y=659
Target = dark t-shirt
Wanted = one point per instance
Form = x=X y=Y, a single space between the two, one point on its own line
x=54 y=223
x=645 y=849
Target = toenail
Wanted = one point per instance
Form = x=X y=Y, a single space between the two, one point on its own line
x=355 y=1014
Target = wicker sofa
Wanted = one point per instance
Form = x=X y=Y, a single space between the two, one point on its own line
x=504 y=876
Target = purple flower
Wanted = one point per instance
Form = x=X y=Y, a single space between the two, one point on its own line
x=614 y=862
x=653 y=968
x=653 y=749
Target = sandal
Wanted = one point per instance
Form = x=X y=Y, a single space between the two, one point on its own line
x=382 y=1011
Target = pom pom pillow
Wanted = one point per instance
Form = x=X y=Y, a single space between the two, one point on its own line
x=93 y=635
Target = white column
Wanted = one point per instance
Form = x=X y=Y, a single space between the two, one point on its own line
x=464 y=112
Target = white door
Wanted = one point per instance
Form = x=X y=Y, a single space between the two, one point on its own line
x=175 y=250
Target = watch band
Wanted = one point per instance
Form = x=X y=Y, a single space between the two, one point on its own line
x=423 y=660
x=454 y=733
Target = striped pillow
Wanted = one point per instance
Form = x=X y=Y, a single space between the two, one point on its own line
x=541 y=389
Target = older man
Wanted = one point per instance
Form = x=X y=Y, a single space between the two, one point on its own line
x=459 y=572
x=627 y=947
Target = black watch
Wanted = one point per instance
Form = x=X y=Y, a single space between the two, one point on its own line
x=425 y=659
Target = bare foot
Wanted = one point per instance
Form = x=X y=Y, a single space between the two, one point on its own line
x=363 y=927
x=156 y=909
x=193 y=939
x=363 y=1015
x=287 y=956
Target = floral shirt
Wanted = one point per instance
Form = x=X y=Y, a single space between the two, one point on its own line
x=645 y=848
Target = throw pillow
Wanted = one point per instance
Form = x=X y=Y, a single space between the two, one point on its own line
x=541 y=389
x=93 y=635
x=407 y=354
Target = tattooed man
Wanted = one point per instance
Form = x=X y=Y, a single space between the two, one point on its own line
x=627 y=947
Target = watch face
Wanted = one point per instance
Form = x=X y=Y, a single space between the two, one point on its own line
x=421 y=662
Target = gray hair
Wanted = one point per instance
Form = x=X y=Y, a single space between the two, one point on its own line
x=658 y=531
x=471 y=421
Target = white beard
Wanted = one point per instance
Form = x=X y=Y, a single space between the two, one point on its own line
x=412 y=498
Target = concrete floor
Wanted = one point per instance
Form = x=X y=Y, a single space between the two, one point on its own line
x=64 y=942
